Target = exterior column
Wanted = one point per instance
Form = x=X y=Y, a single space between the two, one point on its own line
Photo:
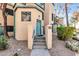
x=47 y=24
x=48 y=36
x=30 y=36
x=48 y=13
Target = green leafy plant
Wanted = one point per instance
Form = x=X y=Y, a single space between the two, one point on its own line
x=65 y=33
x=3 y=43
x=68 y=32
x=60 y=32
x=1 y=31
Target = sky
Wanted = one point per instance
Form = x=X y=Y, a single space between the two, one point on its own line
x=59 y=10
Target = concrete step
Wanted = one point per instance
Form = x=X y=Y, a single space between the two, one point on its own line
x=39 y=43
x=39 y=37
x=39 y=47
x=39 y=40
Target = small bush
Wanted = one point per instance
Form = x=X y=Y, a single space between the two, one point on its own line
x=1 y=31
x=64 y=33
x=3 y=43
x=60 y=31
x=69 y=32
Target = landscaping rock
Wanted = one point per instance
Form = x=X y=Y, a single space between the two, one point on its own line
x=73 y=45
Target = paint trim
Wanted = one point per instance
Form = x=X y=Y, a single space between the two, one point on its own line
x=27 y=7
x=40 y=6
x=14 y=5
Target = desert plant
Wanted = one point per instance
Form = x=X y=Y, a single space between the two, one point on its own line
x=3 y=43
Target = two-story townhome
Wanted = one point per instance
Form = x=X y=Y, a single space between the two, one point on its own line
x=27 y=20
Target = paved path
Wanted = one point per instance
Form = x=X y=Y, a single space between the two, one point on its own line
x=59 y=48
x=40 y=52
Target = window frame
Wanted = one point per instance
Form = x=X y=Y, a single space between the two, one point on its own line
x=27 y=13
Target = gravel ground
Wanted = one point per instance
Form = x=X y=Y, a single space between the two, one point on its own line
x=16 y=46
x=59 y=48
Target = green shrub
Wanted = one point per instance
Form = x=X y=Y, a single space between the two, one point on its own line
x=60 y=31
x=68 y=32
x=1 y=31
x=64 y=33
x=3 y=43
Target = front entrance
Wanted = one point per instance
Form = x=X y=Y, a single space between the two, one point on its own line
x=38 y=28
x=39 y=40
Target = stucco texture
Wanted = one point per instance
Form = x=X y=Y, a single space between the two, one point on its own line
x=22 y=26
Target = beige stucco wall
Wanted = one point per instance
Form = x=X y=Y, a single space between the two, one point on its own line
x=9 y=17
x=48 y=36
x=21 y=26
x=48 y=13
x=9 y=6
x=1 y=18
x=10 y=22
x=29 y=36
x=47 y=21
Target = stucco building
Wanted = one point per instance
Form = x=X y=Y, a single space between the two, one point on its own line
x=26 y=20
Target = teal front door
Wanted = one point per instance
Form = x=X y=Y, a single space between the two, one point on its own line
x=38 y=27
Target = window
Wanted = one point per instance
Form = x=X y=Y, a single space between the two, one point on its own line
x=26 y=16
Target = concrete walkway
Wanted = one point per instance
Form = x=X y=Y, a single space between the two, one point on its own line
x=59 y=49
x=40 y=52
